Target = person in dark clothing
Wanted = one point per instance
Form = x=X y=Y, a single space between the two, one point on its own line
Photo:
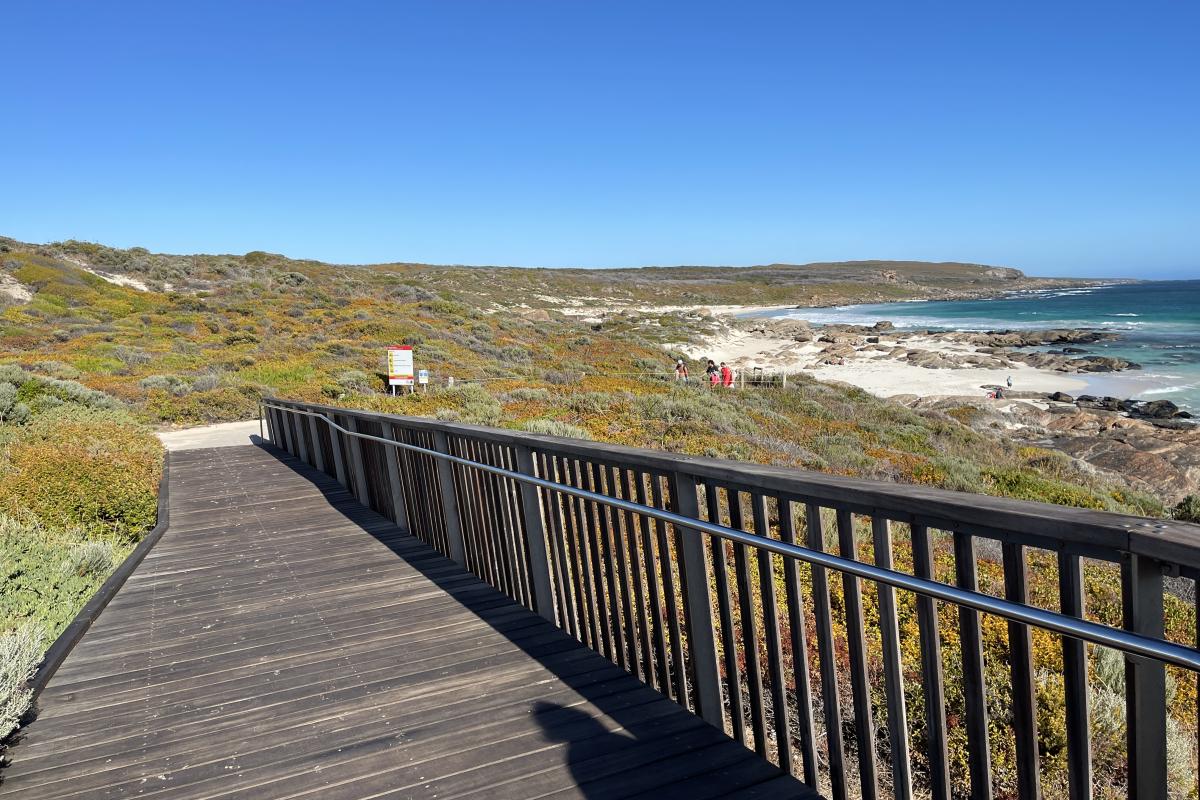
x=714 y=374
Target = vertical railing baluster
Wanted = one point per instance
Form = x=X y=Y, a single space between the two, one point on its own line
x=979 y=763
x=579 y=558
x=318 y=452
x=774 y=647
x=662 y=669
x=638 y=575
x=451 y=518
x=830 y=700
x=893 y=669
x=1145 y=680
x=357 y=468
x=339 y=458
x=799 y=643
x=621 y=548
x=1075 y=681
x=606 y=570
x=392 y=460
x=665 y=562
x=932 y=685
x=1024 y=693
x=741 y=573
x=860 y=681
x=733 y=677
x=552 y=506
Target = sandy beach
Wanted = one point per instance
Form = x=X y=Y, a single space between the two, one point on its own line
x=872 y=369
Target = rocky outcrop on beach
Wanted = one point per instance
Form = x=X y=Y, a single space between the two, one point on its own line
x=945 y=349
x=1151 y=445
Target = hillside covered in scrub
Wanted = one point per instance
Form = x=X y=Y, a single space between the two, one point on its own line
x=193 y=339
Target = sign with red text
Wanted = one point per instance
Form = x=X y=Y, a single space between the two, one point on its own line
x=400 y=365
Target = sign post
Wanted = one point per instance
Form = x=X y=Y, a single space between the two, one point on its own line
x=423 y=378
x=400 y=366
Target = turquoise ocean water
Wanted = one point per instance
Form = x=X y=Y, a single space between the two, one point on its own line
x=1158 y=324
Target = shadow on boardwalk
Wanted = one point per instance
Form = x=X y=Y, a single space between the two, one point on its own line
x=640 y=742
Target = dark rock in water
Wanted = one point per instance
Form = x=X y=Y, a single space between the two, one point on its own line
x=1182 y=415
x=1061 y=397
x=883 y=325
x=1175 y=424
x=1158 y=409
x=1068 y=351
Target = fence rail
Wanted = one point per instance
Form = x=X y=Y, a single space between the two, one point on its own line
x=692 y=574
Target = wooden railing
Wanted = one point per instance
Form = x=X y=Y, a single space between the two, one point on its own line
x=710 y=580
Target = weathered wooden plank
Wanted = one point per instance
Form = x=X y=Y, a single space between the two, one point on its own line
x=307 y=646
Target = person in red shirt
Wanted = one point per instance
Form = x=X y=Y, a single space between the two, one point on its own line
x=726 y=376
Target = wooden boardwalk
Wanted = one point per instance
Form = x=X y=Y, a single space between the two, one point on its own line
x=282 y=641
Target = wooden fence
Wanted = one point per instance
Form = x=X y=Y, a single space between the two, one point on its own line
x=750 y=631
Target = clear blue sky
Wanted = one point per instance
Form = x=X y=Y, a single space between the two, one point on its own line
x=1060 y=137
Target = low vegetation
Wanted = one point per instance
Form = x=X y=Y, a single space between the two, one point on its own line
x=78 y=487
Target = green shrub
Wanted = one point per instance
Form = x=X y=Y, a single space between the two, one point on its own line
x=355 y=380
x=90 y=559
x=1188 y=509
x=526 y=394
x=84 y=467
x=590 y=402
x=689 y=406
x=20 y=654
x=172 y=384
x=552 y=427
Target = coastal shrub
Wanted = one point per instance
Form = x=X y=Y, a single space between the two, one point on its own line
x=12 y=411
x=206 y=382
x=590 y=402
x=355 y=380
x=90 y=559
x=526 y=394
x=552 y=427
x=130 y=356
x=82 y=467
x=171 y=384
x=20 y=654
x=1188 y=509
x=705 y=410
x=841 y=452
x=560 y=377
x=57 y=369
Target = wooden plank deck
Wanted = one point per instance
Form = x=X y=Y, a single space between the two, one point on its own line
x=282 y=641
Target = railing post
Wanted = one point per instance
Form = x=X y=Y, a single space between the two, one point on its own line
x=301 y=422
x=285 y=425
x=454 y=534
x=697 y=600
x=318 y=451
x=535 y=536
x=359 y=489
x=260 y=420
x=1145 y=681
x=392 y=459
x=339 y=460
x=269 y=415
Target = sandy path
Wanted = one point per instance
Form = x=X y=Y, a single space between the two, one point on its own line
x=223 y=434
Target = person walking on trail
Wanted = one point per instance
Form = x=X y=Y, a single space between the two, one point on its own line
x=726 y=375
x=714 y=375
x=681 y=371
x=1010 y=381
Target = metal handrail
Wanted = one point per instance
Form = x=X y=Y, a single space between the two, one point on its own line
x=1126 y=641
